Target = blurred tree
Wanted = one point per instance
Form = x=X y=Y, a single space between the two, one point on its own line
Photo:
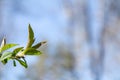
x=112 y=39
x=53 y=67
x=114 y=7
x=74 y=10
x=95 y=30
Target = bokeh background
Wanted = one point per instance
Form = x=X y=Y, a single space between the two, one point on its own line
x=83 y=41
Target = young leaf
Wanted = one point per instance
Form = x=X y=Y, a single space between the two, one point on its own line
x=6 y=55
x=20 y=52
x=14 y=63
x=3 y=43
x=38 y=44
x=32 y=51
x=0 y=54
x=31 y=33
x=24 y=64
x=5 y=61
x=24 y=60
x=30 y=37
x=17 y=50
x=7 y=46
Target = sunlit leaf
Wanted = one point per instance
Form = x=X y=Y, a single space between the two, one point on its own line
x=30 y=37
x=17 y=50
x=39 y=44
x=24 y=60
x=6 y=55
x=23 y=63
x=31 y=33
x=3 y=43
x=7 y=46
x=32 y=51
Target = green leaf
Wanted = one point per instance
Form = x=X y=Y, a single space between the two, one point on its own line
x=30 y=37
x=23 y=63
x=6 y=55
x=0 y=54
x=14 y=63
x=32 y=51
x=3 y=43
x=5 y=61
x=7 y=46
x=39 y=44
x=17 y=50
x=24 y=60
x=31 y=33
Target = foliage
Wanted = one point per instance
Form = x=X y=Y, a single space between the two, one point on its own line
x=19 y=53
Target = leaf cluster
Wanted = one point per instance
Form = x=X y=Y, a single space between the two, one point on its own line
x=19 y=53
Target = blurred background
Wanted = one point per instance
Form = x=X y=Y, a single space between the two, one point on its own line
x=82 y=38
